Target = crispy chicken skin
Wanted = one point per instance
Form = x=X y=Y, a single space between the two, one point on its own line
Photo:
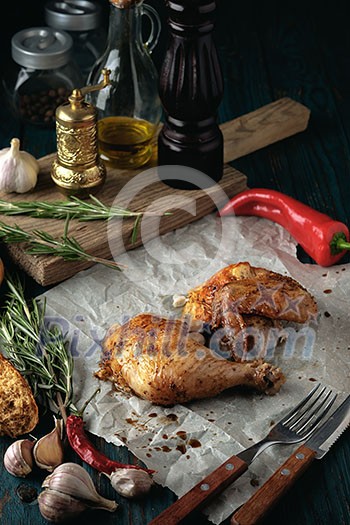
x=155 y=358
x=248 y=305
x=245 y=289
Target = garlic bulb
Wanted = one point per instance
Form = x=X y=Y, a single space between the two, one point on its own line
x=18 y=459
x=57 y=507
x=48 y=451
x=131 y=483
x=70 y=490
x=18 y=169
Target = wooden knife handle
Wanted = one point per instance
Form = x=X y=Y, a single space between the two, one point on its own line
x=201 y=493
x=274 y=488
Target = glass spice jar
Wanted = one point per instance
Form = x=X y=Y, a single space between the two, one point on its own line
x=82 y=20
x=45 y=74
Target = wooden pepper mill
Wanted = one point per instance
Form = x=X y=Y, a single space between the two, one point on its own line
x=191 y=89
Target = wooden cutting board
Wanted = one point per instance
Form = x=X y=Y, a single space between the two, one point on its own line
x=106 y=239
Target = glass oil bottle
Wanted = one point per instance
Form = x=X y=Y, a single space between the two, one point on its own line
x=129 y=110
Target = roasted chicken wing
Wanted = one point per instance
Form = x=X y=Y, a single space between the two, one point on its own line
x=245 y=289
x=247 y=302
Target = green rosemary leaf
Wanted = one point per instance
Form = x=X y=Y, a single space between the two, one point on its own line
x=38 y=351
x=74 y=208
x=135 y=229
x=42 y=243
x=83 y=210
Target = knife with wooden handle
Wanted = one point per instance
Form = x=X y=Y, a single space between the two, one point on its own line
x=278 y=484
x=215 y=482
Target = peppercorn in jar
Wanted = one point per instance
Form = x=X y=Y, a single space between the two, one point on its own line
x=46 y=74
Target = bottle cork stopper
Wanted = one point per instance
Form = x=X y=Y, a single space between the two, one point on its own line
x=122 y=4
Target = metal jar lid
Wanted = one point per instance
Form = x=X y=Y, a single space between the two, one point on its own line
x=73 y=15
x=41 y=48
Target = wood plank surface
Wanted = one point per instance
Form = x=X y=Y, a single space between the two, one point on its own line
x=93 y=235
x=266 y=125
x=272 y=50
x=268 y=50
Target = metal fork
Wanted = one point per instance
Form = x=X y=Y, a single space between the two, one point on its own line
x=296 y=426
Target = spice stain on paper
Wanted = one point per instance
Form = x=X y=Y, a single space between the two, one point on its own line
x=168 y=419
x=248 y=414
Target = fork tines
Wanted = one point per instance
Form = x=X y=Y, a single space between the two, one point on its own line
x=307 y=415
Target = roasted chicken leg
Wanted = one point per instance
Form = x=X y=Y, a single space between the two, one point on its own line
x=157 y=359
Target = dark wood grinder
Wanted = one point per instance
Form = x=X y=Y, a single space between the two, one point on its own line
x=191 y=89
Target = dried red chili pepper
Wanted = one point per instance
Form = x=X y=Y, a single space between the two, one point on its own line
x=81 y=444
x=324 y=239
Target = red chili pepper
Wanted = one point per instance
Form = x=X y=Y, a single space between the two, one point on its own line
x=324 y=239
x=87 y=452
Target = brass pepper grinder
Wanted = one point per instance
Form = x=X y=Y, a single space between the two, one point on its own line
x=77 y=169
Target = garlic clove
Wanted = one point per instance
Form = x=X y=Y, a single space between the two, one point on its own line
x=70 y=469
x=18 y=459
x=48 y=451
x=57 y=507
x=179 y=301
x=69 y=483
x=18 y=169
x=8 y=167
x=73 y=480
x=131 y=483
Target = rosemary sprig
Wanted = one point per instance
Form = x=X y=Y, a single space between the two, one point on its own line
x=38 y=351
x=75 y=208
x=42 y=243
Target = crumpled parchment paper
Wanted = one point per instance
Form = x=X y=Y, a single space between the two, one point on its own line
x=184 y=443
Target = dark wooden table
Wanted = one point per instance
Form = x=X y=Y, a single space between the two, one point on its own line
x=267 y=50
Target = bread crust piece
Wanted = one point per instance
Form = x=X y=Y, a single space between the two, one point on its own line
x=19 y=412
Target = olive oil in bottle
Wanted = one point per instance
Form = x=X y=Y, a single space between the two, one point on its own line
x=129 y=111
x=125 y=142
